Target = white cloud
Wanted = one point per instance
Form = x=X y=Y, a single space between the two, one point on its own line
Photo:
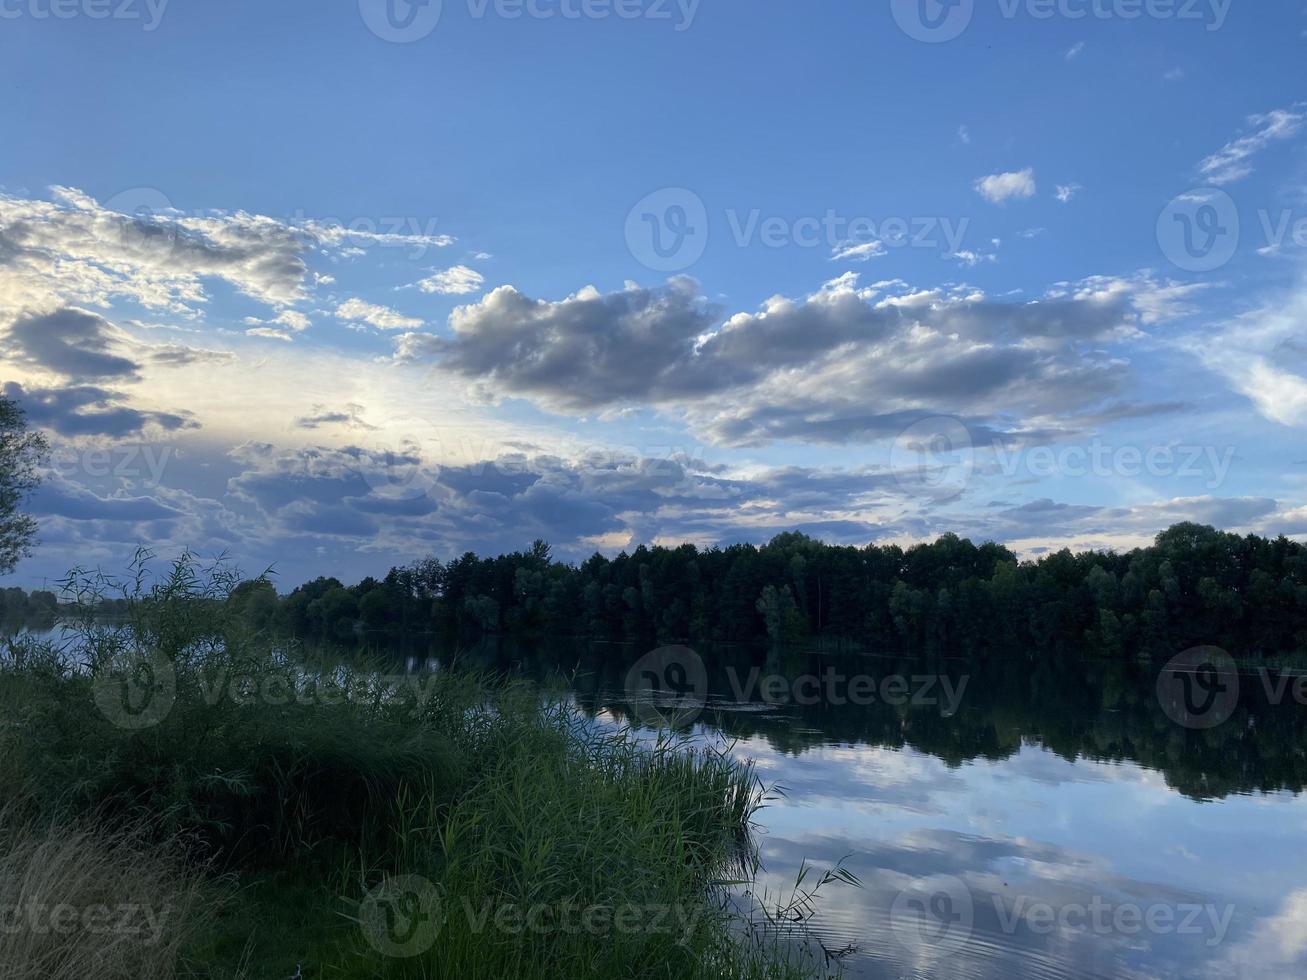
x=1262 y=356
x=76 y=251
x=1067 y=191
x=1000 y=188
x=382 y=317
x=1073 y=52
x=860 y=252
x=1234 y=160
x=458 y=280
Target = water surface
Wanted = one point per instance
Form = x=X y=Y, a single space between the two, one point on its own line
x=1054 y=822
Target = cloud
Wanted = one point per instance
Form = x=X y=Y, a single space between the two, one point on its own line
x=971 y=259
x=859 y=252
x=1233 y=161
x=1065 y=192
x=270 y=333
x=1259 y=355
x=283 y=326
x=79 y=345
x=334 y=234
x=58 y=497
x=75 y=251
x=457 y=280
x=349 y=415
x=843 y=364
x=1074 y=51
x=179 y=355
x=381 y=317
x=1000 y=188
x=84 y=410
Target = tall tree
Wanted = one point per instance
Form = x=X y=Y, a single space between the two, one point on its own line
x=21 y=454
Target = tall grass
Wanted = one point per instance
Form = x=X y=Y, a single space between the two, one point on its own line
x=400 y=831
x=78 y=902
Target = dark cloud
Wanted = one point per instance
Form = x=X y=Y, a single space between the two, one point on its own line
x=350 y=415
x=842 y=365
x=86 y=410
x=177 y=355
x=60 y=498
x=79 y=345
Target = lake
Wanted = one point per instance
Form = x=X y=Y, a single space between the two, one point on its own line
x=1006 y=820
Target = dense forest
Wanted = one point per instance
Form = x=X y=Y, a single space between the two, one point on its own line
x=19 y=609
x=1195 y=585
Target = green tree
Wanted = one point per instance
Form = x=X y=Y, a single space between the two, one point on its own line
x=21 y=454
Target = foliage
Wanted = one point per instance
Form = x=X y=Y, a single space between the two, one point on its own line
x=1195 y=585
x=296 y=806
x=21 y=454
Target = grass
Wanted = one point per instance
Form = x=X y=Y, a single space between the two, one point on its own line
x=328 y=821
x=77 y=901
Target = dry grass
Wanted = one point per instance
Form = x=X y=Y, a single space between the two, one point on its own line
x=78 y=903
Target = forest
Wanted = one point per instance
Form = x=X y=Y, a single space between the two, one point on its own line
x=1194 y=585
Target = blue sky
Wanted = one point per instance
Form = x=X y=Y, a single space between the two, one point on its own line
x=336 y=286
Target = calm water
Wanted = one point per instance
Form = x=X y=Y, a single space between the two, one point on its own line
x=1011 y=820
x=1050 y=823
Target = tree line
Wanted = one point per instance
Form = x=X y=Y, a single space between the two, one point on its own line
x=1194 y=585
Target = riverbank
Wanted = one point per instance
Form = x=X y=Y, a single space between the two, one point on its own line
x=188 y=802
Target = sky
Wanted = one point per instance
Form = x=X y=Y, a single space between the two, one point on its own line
x=331 y=287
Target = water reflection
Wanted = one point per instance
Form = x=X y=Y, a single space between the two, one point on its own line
x=1057 y=824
